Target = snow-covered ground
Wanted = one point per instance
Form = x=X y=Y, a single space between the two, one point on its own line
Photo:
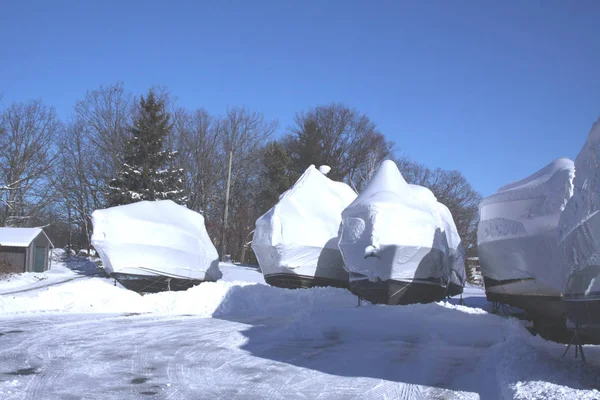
x=78 y=267
x=238 y=338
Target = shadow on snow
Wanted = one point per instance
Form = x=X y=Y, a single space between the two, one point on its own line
x=437 y=346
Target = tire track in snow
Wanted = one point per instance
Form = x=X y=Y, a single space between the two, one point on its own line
x=178 y=374
x=204 y=367
x=42 y=353
x=37 y=388
x=20 y=368
x=221 y=369
x=212 y=358
x=31 y=289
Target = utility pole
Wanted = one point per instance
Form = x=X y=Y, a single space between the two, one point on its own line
x=69 y=246
x=226 y=207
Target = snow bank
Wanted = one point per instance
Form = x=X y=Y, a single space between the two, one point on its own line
x=155 y=238
x=58 y=272
x=241 y=273
x=295 y=343
x=579 y=225
x=101 y=296
x=517 y=235
x=28 y=280
x=393 y=230
x=71 y=286
x=299 y=234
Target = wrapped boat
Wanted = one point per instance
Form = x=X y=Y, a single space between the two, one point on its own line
x=579 y=238
x=393 y=243
x=295 y=242
x=154 y=246
x=457 y=275
x=518 y=241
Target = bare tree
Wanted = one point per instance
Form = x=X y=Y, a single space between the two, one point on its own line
x=79 y=189
x=341 y=137
x=106 y=114
x=360 y=177
x=244 y=134
x=453 y=190
x=196 y=137
x=27 y=154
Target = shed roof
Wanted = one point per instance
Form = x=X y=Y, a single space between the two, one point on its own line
x=20 y=237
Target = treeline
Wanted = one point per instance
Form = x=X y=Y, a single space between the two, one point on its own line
x=117 y=148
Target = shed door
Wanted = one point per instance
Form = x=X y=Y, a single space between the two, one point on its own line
x=40 y=259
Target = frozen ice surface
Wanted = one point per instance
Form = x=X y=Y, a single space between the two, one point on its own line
x=239 y=339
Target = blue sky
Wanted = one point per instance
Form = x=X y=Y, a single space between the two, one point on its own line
x=496 y=90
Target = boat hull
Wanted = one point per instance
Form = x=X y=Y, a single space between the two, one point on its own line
x=582 y=299
x=393 y=292
x=538 y=301
x=583 y=310
x=154 y=283
x=294 y=281
x=454 y=289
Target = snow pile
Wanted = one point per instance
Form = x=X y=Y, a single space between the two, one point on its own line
x=517 y=235
x=241 y=340
x=78 y=267
x=241 y=273
x=299 y=234
x=579 y=226
x=155 y=238
x=102 y=296
x=393 y=230
x=74 y=285
x=28 y=280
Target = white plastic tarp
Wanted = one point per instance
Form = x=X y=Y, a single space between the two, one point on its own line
x=456 y=252
x=299 y=234
x=579 y=225
x=517 y=235
x=393 y=230
x=155 y=238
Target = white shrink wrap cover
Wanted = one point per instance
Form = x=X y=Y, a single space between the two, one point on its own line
x=152 y=238
x=456 y=251
x=579 y=225
x=297 y=238
x=394 y=231
x=517 y=235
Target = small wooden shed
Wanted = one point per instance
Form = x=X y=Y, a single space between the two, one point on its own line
x=24 y=250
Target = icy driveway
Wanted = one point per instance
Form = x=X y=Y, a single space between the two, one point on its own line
x=117 y=357
x=124 y=357
x=238 y=338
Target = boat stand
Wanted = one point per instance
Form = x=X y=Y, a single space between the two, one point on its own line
x=495 y=307
x=359 y=301
x=575 y=340
x=460 y=300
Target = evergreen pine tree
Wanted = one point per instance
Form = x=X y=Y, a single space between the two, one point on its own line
x=275 y=177
x=309 y=147
x=146 y=172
